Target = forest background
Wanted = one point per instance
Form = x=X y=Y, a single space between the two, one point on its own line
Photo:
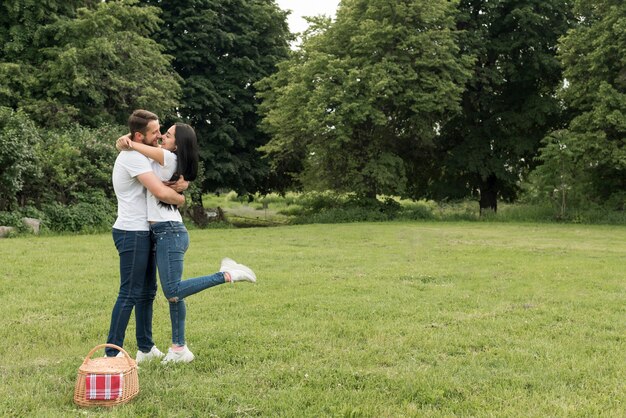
x=514 y=101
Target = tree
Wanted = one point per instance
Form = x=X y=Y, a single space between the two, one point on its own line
x=103 y=66
x=593 y=56
x=90 y=65
x=21 y=22
x=510 y=102
x=561 y=175
x=18 y=159
x=221 y=49
x=357 y=106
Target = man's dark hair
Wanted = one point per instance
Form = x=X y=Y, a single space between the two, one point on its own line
x=139 y=120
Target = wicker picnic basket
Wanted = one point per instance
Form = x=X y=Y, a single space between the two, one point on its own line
x=124 y=366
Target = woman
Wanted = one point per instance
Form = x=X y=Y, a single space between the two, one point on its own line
x=178 y=156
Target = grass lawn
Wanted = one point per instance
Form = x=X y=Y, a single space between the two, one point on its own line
x=374 y=320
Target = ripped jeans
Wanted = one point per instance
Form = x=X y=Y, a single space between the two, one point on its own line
x=172 y=240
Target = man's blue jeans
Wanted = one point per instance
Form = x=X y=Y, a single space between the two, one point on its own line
x=138 y=289
x=172 y=240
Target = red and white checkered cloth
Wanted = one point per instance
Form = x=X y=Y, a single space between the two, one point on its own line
x=104 y=386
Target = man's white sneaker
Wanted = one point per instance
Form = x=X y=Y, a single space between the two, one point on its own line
x=238 y=272
x=182 y=356
x=151 y=355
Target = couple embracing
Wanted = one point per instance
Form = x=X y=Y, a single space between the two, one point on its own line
x=149 y=234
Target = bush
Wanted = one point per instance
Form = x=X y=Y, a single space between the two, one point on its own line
x=75 y=162
x=232 y=196
x=13 y=219
x=18 y=161
x=94 y=213
x=342 y=215
x=419 y=210
x=317 y=201
x=68 y=185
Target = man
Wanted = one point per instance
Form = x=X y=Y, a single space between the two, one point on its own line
x=132 y=175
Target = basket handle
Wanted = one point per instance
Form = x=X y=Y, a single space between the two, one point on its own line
x=117 y=347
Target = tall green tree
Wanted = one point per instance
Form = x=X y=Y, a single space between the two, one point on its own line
x=594 y=57
x=21 y=22
x=356 y=108
x=221 y=48
x=103 y=66
x=90 y=65
x=510 y=102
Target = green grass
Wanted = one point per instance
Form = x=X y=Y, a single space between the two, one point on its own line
x=374 y=320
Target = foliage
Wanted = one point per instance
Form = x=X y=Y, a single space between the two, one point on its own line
x=220 y=49
x=62 y=177
x=103 y=65
x=93 y=212
x=11 y=218
x=593 y=56
x=18 y=159
x=22 y=20
x=90 y=65
x=561 y=176
x=508 y=105
x=357 y=106
x=331 y=207
x=75 y=162
x=419 y=210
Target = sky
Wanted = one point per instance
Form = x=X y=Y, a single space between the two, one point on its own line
x=301 y=8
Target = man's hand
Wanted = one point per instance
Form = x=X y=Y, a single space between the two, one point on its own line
x=165 y=194
x=179 y=185
x=124 y=143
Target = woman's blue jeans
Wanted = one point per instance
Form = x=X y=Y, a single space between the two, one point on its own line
x=138 y=289
x=172 y=240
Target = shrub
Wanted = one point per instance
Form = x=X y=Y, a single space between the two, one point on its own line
x=18 y=160
x=232 y=196
x=418 y=210
x=76 y=162
x=342 y=215
x=94 y=213
x=13 y=219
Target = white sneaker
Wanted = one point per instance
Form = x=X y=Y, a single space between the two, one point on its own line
x=183 y=356
x=154 y=353
x=119 y=354
x=227 y=263
x=238 y=272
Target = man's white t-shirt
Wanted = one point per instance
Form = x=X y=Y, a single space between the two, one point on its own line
x=156 y=212
x=132 y=213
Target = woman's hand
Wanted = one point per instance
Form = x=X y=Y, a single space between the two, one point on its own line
x=179 y=185
x=124 y=143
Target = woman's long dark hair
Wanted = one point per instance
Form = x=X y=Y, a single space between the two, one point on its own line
x=187 y=154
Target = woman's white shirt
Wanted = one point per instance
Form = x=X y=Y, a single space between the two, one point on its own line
x=157 y=213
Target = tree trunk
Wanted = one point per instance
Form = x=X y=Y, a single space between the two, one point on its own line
x=489 y=195
x=196 y=211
